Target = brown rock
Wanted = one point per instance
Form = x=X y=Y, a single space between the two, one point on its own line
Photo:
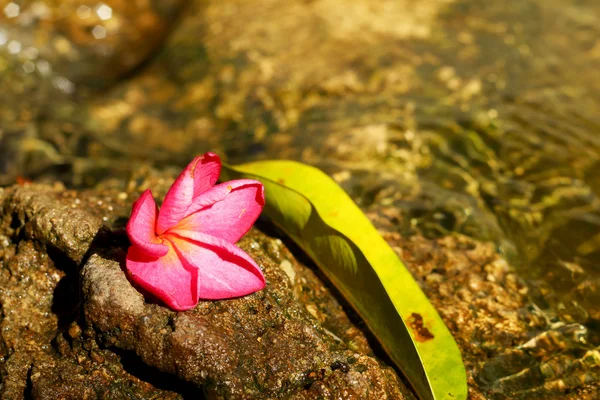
x=266 y=345
x=86 y=42
x=39 y=232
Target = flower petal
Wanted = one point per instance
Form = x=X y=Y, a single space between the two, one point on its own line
x=199 y=176
x=168 y=278
x=206 y=173
x=225 y=270
x=227 y=211
x=141 y=226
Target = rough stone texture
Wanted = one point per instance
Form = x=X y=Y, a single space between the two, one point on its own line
x=70 y=230
x=42 y=353
x=56 y=344
x=266 y=345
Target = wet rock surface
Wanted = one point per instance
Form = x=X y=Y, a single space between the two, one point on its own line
x=438 y=117
x=514 y=345
x=265 y=345
x=73 y=324
x=43 y=353
x=81 y=42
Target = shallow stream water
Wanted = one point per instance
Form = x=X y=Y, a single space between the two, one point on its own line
x=476 y=117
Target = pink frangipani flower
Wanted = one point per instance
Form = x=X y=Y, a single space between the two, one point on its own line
x=186 y=251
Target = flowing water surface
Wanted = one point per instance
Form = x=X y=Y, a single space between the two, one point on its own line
x=476 y=117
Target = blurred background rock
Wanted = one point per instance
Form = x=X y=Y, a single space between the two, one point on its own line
x=437 y=116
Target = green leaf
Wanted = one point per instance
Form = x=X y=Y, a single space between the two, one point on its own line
x=322 y=219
